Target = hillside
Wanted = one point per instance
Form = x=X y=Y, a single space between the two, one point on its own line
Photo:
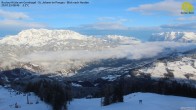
x=131 y=102
x=10 y=97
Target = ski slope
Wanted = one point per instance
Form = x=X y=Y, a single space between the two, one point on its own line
x=9 y=99
x=150 y=101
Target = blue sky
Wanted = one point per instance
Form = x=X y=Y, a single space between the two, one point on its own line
x=138 y=18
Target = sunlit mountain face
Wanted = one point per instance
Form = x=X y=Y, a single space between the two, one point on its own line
x=187 y=37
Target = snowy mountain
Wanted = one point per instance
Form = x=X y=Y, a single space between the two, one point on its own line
x=34 y=37
x=55 y=50
x=87 y=63
x=68 y=53
x=41 y=37
x=175 y=36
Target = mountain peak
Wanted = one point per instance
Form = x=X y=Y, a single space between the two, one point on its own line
x=37 y=37
x=175 y=36
x=44 y=31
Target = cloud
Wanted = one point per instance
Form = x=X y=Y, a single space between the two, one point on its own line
x=13 y=22
x=192 y=18
x=9 y=27
x=187 y=26
x=106 y=18
x=13 y=15
x=107 y=23
x=20 y=24
x=112 y=19
x=105 y=26
x=171 y=7
x=136 y=52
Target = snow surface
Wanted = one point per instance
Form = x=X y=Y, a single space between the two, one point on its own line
x=76 y=85
x=110 y=77
x=8 y=100
x=150 y=101
x=179 y=68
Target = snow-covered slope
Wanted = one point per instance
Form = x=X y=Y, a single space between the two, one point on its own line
x=9 y=98
x=131 y=102
x=175 y=36
x=150 y=101
x=181 y=68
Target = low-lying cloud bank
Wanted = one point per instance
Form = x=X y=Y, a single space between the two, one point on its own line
x=136 y=51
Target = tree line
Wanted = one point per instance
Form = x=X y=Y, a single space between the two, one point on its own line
x=114 y=91
x=51 y=92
